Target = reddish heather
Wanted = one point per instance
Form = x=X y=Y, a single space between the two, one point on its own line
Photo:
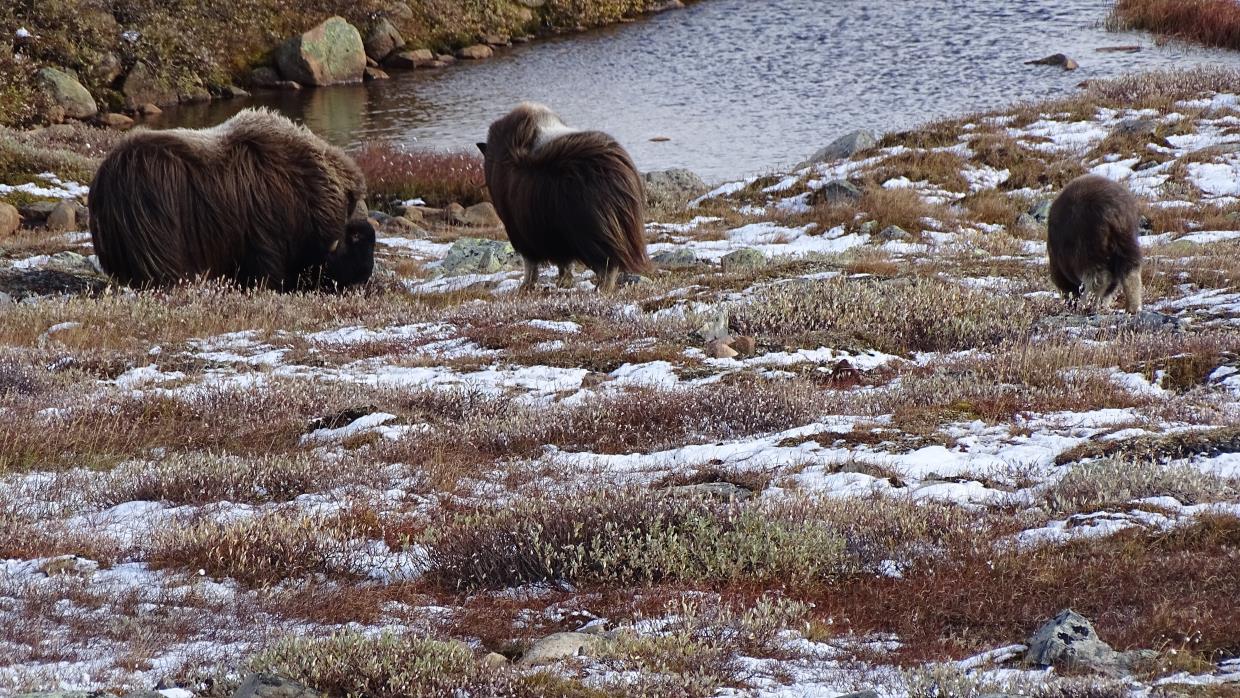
x=1210 y=22
x=437 y=176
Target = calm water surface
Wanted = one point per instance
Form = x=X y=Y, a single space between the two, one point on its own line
x=741 y=86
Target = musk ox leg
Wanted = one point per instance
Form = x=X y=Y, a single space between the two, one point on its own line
x=605 y=279
x=1098 y=294
x=565 y=279
x=1132 y=291
x=531 y=276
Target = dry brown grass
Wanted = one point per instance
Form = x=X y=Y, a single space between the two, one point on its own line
x=1209 y=22
x=438 y=177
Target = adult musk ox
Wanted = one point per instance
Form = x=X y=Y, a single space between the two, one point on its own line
x=1092 y=243
x=565 y=196
x=256 y=199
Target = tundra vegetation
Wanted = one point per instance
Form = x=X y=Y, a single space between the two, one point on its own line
x=401 y=490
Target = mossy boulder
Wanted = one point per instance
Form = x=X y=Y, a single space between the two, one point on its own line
x=331 y=53
x=64 y=91
x=145 y=85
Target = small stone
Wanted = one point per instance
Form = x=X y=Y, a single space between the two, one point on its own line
x=1069 y=639
x=475 y=52
x=270 y=686
x=496 y=39
x=720 y=349
x=399 y=226
x=233 y=92
x=494 y=660
x=744 y=258
x=895 y=233
x=63 y=217
x=10 y=219
x=672 y=187
x=481 y=215
x=1041 y=211
x=745 y=345
x=38 y=211
x=117 y=122
x=680 y=257
x=715 y=327
x=382 y=40
x=559 y=646
x=445 y=58
x=413 y=214
x=1027 y=222
x=149 y=110
x=837 y=191
x=845 y=147
x=372 y=74
x=1136 y=126
x=455 y=213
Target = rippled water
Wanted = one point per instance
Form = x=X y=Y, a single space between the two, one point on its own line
x=742 y=86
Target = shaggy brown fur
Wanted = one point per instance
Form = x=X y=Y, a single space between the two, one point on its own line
x=1092 y=243
x=257 y=199
x=565 y=196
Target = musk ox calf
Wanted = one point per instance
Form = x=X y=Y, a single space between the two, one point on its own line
x=1092 y=243
x=565 y=196
x=257 y=199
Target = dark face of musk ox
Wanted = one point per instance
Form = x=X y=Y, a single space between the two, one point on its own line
x=352 y=261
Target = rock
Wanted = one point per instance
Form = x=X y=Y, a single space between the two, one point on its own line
x=475 y=52
x=372 y=74
x=837 y=191
x=1041 y=211
x=1027 y=222
x=559 y=646
x=382 y=40
x=1058 y=59
x=496 y=39
x=195 y=93
x=413 y=214
x=745 y=345
x=894 y=232
x=233 y=92
x=1144 y=321
x=844 y=147
x=720 y=349
x=270 y=686
x=481 y=215
x=445 y=58
x=1136 y=126
x=478 y=256
x=104 y=68
x=63 y=217
x=149 y=110
x=1069 y=640
x=744 y=258
x=117 y=122
x=672 y=187
x=860 y=694
x=407 y=60
x=64 y=91
x=666 y=5
x=715 y=327
x=454 y=213
x=680 y=257
x=264 y=77
x=494 y=660
x=726 y=491
x=144 y=86
x=37 y=211
x=70 y=565
x=331 y=53
x=10 y=219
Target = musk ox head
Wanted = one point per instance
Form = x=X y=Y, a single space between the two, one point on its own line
x=352 y=260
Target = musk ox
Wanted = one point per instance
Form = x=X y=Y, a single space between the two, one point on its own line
x=565 y=196
x=1092 y=243
x=257 y=199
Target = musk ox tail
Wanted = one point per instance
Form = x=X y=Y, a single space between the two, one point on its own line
x=587 y=183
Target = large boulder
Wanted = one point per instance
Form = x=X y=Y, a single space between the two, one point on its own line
x=382 y=40
x=672 y=187
x=1068 y=641
x=270 y=686
x=143 y=85
x=332 y=53
x=67 y=93
x=845 y=147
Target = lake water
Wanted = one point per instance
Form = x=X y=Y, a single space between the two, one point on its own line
x=741 y=86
